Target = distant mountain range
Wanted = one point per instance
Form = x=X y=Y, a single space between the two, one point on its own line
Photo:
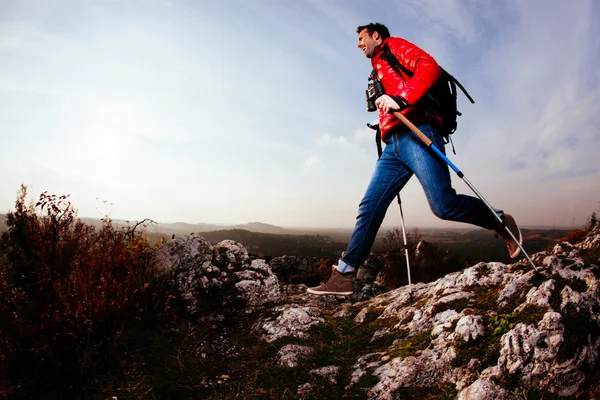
x=186 y=228
x=183 y=228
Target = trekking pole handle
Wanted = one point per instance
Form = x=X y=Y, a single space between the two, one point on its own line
x=413 y=128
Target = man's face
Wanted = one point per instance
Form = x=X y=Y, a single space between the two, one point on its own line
x=367 y=42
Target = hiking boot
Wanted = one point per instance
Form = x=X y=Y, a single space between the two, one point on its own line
x=511 y=245
x=337 y=284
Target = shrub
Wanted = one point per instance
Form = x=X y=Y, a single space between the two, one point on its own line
x=576 y=235
x=64 y=287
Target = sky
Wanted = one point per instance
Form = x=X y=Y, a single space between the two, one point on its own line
x=240 y=111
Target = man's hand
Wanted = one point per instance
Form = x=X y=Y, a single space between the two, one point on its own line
x=389 y=104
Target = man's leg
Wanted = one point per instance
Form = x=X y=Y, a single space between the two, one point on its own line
x=434 y=175
x=389 y=177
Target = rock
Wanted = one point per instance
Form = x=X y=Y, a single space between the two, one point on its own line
x=292 y=320
x=234 y=253
x=484 y=389
x=474 y=329
x=470 y=328
x=258 y=285
x=327 y=372
x=289 y=355
x=529 y=351
x=199 y=271
x=306 y=389
x=187 y=264
x=367 y=273
x=286 y=266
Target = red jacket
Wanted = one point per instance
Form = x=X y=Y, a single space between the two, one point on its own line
x=425 y=72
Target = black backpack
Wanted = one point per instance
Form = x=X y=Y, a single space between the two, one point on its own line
x=440 y=97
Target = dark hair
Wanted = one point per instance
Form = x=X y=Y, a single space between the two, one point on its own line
x=377 y=27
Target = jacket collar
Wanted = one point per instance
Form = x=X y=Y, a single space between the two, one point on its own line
x=378 y=49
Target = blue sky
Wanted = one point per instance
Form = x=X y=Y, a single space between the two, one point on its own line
x=239 y=111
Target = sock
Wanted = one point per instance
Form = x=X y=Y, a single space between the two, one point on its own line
x=344 y=268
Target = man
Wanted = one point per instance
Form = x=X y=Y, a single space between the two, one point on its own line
x=405 y=155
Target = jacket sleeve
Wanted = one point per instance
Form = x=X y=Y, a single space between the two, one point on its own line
x=425 y=68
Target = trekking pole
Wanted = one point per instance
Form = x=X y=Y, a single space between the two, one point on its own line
x=405 y=248
x=378 y=141
x=429 y=143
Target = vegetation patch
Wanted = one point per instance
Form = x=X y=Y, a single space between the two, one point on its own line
x=491 y=352
x=502 y=323
x=411 y=345
x=530 y=314
x=483 y=270
x=485 y=297
x=486 y=349
x=420 y=303
x=510 y=382
x=576 y=235
x=440 y=392
x=457 y=305
x=466 y=351
x=388 y=323
x=364 y=384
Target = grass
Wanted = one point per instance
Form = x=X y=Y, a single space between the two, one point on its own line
x=411 y=345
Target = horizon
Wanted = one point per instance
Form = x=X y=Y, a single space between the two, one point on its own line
x=384 y=227
x=254 y=111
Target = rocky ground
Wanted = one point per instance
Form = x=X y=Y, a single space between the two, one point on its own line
x=490 y=331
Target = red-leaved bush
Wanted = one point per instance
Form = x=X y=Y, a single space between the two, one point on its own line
x=64 y=287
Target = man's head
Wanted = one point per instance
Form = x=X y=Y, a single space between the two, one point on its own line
x=371 y=36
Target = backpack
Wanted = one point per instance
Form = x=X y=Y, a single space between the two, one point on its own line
x=440 y=97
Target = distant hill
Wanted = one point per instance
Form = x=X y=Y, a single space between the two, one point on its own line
x=273 y=244
x=182 y=228
x=259 y=227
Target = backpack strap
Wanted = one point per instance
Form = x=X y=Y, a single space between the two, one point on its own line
x=453 y=81
x=397 y=66
x=391 y=59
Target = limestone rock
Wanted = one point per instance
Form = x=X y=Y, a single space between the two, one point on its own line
x=484 y=389
x=470 y=327
x=198 y=271
x=329 y=373
x=290 y=355
x=292 y=320
x=258 y=285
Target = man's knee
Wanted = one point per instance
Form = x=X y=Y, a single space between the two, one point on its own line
x=444 y=212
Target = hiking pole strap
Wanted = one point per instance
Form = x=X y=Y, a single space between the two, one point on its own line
x=377 y=138
x=378 y=142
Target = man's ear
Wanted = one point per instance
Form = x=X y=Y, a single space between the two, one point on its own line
x=376 y=35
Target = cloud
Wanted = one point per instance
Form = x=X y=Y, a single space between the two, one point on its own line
x=313 y=162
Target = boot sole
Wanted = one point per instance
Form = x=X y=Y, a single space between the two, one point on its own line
x=324 y=293
x=516 y=253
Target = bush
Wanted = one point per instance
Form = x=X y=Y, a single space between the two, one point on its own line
x=65 y=287
x=576 y=235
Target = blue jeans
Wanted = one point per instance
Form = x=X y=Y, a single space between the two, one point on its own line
x=403 y=156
